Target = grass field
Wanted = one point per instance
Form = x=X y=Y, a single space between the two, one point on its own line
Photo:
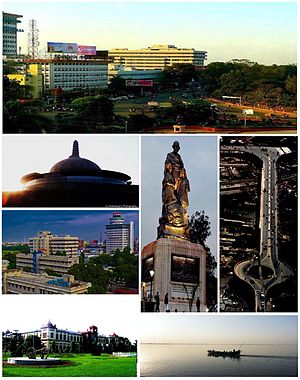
x=83 y=365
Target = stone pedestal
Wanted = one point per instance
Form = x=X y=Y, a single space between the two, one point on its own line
x=179 y=269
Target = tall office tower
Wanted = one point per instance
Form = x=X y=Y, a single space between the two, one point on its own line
x=119 y=234
x=10 y=30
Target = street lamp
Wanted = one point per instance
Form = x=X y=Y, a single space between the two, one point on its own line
x=151 y=277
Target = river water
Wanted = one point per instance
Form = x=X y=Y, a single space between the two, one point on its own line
x=192 y=360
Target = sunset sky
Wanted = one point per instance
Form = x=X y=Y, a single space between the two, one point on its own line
x=38 y=153
x=260 y=31
x=218 y=329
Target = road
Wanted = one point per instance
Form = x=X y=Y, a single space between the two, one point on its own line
x=265 y=270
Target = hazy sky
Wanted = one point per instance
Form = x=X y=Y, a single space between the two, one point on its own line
x=38 y=153
x=21 y=225
x=218 y=329
x=261 y=31
x=110 y=313
x=199 y=155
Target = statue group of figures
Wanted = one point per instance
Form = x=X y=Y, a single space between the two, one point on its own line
x=175 y=188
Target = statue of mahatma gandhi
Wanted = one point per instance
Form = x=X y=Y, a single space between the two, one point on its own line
x=175 y=187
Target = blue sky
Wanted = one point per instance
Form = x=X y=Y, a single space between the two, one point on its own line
x=261 y=31
x=219 y=329
x=21 y=225
x=199 y=155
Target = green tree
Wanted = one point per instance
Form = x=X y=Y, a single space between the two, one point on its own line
x=199 y=231
x=137 y=123
x=117 y=85
x=199 y=225
x=11 y=257
x=179 y=75
x=26 y=269
x=51 y=272
x=94 y=109
x=32 y=341
x=16 y=345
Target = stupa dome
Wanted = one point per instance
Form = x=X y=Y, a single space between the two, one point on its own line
x=75 y=164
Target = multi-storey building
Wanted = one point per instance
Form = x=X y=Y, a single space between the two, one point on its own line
x=119 y=234
x=10 y=30
x=48 y=251
x=157 y=57
x=59 y=340
x=38 y=262
x=70 y=74
x=16 y=281
x=49 y=243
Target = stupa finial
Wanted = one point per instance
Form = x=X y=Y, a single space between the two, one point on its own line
x=75 y=151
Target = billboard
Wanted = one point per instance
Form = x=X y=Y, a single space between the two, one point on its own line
x=86 y=50
x=139 y=82
x=62 y=47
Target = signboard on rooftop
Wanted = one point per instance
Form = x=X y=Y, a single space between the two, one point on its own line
x=139 y=83
x=86 y=50
x=62 y=47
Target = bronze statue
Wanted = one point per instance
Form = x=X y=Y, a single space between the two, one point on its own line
x=175 y=188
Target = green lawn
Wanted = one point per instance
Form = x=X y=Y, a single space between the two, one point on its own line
x=84 y=365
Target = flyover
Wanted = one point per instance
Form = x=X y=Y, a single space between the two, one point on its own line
x=264 y=270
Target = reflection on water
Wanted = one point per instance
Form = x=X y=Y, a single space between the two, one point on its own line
x=192 y=360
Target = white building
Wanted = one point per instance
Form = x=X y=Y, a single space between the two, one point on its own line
x=119 y=234
x=157 y=57
x=70 y=74
x=63 y=339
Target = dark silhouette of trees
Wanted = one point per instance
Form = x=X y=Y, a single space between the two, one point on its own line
x=199 y=231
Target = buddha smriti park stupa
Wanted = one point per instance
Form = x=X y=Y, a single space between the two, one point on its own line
x=75 y=182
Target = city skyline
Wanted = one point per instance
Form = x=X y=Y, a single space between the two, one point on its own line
x=18 y=226
x=199 y=155
x=221 y=329
x=38 y=153
x=198 y=26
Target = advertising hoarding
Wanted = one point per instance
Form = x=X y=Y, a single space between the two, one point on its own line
x=86 y=50
x=139 y=82
x=62 y=47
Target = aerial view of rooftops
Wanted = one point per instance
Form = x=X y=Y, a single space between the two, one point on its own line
x=258 y=224
x=73 y=181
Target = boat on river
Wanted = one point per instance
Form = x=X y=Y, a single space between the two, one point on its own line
x=232 y=354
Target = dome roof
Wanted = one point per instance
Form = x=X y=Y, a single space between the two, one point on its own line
x=75 y=164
